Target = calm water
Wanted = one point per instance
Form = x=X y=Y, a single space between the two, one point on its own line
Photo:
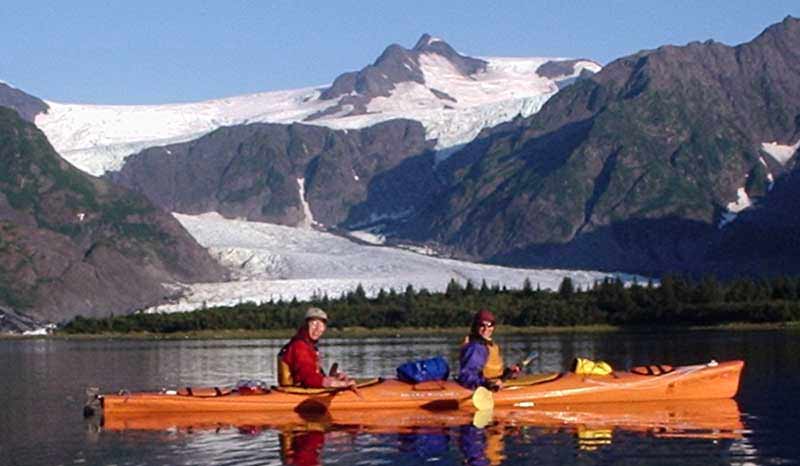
x=42 y=385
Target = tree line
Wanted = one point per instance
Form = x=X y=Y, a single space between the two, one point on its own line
x=677 y=300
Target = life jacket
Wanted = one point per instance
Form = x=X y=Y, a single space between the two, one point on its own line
x=285 y=378
x=494 y=367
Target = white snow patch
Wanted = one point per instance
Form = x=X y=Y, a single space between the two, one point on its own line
x=46 y=330
x=781 y=153
x=274 y=262
x=770 y=178
x=308 y=217
x=433 y=40
x=742 y=202
x=368 y=236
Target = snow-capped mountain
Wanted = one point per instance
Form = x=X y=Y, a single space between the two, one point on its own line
x=452 y=95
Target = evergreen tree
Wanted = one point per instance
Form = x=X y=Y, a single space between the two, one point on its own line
x=469 y=289
x=669 y=298
x=527 y=288
x=566 y=289
x=453 y=289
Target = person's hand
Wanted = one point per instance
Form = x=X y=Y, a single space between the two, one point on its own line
x=494 y=385
x=515 y=370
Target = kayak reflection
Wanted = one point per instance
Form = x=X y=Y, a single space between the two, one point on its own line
x=694 y=418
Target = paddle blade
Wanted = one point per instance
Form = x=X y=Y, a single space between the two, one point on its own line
x=482 y=399
x=482 y=418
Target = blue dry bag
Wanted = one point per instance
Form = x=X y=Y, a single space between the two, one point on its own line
x=424 y=369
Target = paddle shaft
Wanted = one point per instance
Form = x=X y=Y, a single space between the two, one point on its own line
x=530 y=357
x=522 y=363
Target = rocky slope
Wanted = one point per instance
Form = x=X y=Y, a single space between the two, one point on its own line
x=635 y=168
x=73 y=244
x=26 y=105
x=272 y=172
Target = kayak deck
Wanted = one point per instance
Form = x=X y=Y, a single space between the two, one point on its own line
x=697 y=382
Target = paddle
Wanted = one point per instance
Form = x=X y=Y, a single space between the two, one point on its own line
x=530 y=357
x=334 y=372
x=482 y=399
x=522 y=364
x=354 y=388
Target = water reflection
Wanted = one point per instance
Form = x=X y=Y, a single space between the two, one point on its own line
x=478 y=437
x=43 y=383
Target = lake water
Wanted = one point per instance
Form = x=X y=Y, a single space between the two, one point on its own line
x=42 y=384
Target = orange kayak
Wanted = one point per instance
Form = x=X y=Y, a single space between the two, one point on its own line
x=704 y=381
x=679 y=418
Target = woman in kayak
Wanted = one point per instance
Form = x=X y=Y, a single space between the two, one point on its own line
x=481 y=361
x=299 y=363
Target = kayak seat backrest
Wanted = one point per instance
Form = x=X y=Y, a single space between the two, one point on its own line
x=203 y=392
x=360 y=383
x=653 y=369
x=531 y=379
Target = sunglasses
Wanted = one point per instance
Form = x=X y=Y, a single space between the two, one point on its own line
x=487 y=324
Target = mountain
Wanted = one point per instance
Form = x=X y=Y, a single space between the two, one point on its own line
x=73 y=244
x=353 y=91
x=290 y=174
x=642 y=167
x=452 y=95
x=26 y=105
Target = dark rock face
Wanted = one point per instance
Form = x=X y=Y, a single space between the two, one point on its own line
x=395 y=65
x=26 y=105
x=554 y=68
x=252 y=172
x=631 y=168
x=73 y=244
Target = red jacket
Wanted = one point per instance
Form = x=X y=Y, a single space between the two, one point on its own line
x=302 y=357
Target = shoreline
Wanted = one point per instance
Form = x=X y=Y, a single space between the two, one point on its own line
x=386 y=332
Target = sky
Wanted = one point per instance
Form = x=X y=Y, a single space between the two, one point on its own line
x=154 y=52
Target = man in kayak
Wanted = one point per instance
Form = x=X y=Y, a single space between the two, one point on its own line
x=299 y=362
x=480 y=360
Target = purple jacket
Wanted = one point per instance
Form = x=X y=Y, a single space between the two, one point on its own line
x=473 y=357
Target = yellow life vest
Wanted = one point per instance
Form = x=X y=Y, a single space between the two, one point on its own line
x=493 y=369
x=285 y=378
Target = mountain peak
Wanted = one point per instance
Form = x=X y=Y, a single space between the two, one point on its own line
x=395 y=65
x=426 y=40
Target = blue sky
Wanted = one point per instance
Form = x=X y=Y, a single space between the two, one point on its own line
x=176 y=51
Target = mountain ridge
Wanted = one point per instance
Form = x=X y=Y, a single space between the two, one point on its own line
x=674 y=132
x=451 y=106
x=73 y=244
